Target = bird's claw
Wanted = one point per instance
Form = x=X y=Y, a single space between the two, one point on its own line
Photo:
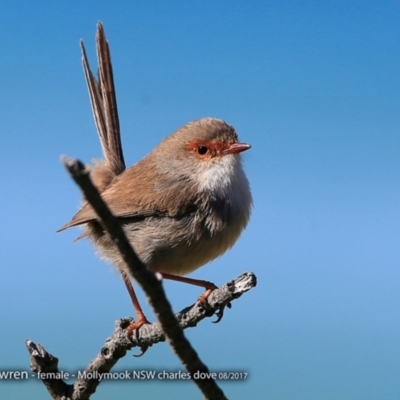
x=204 y=302
x=143 y=350
x=220 y=313
x=134 y=328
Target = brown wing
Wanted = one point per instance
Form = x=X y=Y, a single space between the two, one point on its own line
x=133 y=194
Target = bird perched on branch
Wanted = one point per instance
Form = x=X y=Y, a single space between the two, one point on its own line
x=181 y=206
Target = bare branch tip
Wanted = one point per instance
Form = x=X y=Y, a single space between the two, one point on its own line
x=73 y=165
x=68 y=161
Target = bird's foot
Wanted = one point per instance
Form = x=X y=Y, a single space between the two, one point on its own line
x=220 y=313
x=134 y=328
x=202 y=299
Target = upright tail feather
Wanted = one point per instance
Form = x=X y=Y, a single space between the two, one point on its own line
x=104 y=107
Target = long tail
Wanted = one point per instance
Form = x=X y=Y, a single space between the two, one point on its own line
x=105 y=112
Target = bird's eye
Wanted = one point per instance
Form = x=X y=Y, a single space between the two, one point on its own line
x=202 y=150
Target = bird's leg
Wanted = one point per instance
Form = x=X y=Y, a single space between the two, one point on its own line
x=209 y=286
x=140 y=317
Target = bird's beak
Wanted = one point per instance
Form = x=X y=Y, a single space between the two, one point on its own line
x=236 y=148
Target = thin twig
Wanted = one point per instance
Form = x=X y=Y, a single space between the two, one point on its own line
x=118 y=344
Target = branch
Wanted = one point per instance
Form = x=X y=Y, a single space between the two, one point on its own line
x=149 y=282
x=118 y=344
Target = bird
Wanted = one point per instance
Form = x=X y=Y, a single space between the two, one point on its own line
x=181 y=206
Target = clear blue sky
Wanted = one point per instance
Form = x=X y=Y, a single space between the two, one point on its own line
x=314 y=87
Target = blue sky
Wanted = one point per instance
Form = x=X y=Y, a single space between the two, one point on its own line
x=314 y=87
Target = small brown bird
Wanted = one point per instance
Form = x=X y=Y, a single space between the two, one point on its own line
x=181 y=206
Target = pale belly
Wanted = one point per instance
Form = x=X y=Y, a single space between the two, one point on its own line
x=173 y=246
